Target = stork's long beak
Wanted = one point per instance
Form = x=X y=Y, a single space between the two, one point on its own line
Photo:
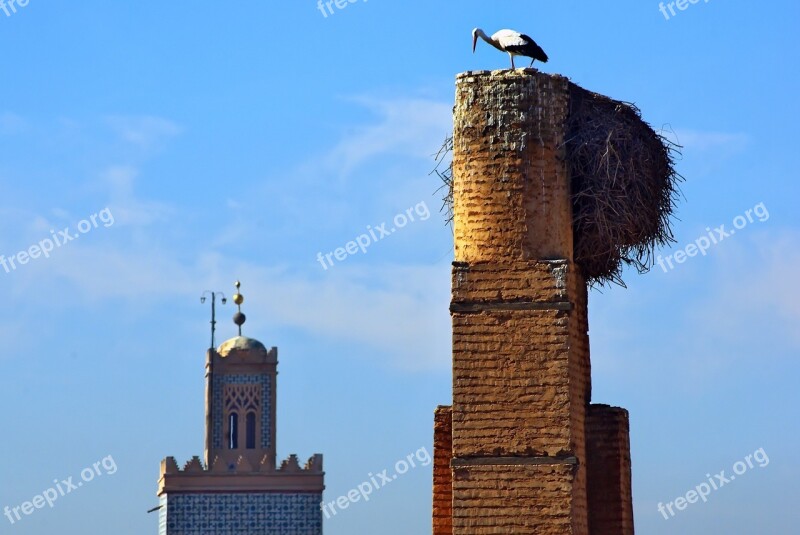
x=474 y=42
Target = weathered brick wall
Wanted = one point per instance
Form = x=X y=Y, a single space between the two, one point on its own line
x=514 y=499
x=520 y=387
x=609 y=463
x=519 y=380
x=442 y=475
x=512 y=192
x=581 y=387
x=520 y=347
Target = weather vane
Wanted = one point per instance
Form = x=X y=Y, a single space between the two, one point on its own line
x=239 y=318
x=213 y=310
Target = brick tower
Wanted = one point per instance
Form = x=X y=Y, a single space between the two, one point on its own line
x=521 y=450
x=237 y=488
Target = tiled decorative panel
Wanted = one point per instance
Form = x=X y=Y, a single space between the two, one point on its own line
x=162 y=516
x=218 y=387
x=242 y=514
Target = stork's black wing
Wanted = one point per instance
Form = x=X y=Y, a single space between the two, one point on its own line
x=528 y=48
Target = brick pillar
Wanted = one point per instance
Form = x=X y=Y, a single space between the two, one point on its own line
x=442 y=476
x=609 y=463
x=520 y=345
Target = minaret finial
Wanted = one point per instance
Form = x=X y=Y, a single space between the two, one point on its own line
x=239 y=318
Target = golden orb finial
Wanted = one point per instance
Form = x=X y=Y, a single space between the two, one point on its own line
x=239 y=318
x=237 y=297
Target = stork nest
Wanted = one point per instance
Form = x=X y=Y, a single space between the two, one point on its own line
x=624 y=186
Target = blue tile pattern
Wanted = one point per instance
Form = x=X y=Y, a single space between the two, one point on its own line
x=162 y=516
x=218 y=386
x=242 y=514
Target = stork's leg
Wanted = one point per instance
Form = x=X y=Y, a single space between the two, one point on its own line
x=532 y=60
x=512 y=61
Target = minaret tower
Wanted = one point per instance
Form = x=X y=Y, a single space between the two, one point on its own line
x=237 y=487
x=240 y=399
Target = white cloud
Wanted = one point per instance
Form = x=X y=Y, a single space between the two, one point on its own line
x=755 y=293
x=399 y=313
x=333 y=183
x=126 y=207
x=409 y=127
x=11 y=123
x=735 y=309
x=143 y=131
x=98 y=273
x=694 y=140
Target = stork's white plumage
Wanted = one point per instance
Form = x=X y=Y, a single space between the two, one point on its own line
x=511 y=42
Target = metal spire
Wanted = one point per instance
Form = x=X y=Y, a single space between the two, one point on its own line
x=213 y=311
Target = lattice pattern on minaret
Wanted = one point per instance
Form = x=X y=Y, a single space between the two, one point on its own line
x=242 y=397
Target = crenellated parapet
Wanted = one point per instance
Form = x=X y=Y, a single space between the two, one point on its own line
x=241 y=475
x=289 y=465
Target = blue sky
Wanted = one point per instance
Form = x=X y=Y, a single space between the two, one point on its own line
x=240 y=140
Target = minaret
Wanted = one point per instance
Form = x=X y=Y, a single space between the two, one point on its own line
x=238 y=488
x=240 y=399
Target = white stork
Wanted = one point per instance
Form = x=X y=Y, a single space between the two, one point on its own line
x=511 y=42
